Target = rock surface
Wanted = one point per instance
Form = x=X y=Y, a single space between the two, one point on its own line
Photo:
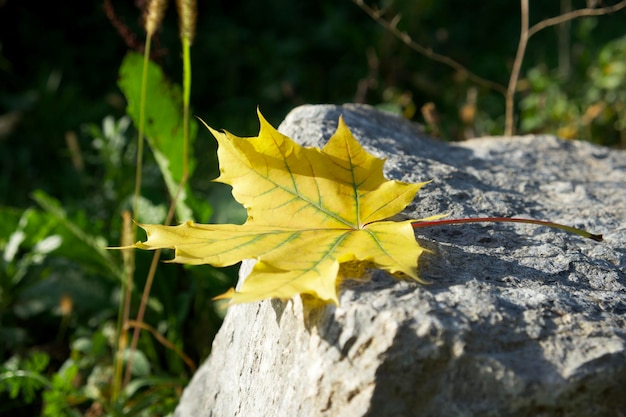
x=519 y=321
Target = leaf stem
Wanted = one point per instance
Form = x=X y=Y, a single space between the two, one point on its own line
x=570 y=229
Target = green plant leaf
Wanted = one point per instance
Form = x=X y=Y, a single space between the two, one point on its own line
x=164 y=125
x=76 y=244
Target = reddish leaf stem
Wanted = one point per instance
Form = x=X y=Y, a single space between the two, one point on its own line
x=583 y=233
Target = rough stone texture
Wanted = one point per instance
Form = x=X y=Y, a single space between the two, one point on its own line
x=519 y=321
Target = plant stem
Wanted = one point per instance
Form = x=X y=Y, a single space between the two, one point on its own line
x=140 y=314
x=130 y=267
x=128 y=257
x=142 y=120
x=509 y=127
x=570 y=229
x=158 y=336
x=170 y=215
x=186 y=95
x=589 y=11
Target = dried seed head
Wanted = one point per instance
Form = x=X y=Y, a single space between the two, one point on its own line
x=154 y=15
x=187 y=13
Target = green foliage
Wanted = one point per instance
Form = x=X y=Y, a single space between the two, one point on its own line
x=164 y=127
x=64 y=394
x=22 y=377
x=57 y=276
x=591 y=107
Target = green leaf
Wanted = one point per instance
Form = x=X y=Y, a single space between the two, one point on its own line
x=141 y=364
x=77 y=244
x=164 y=124
x=24 y=377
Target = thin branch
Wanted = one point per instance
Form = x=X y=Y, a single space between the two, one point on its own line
x=137 y=193
x=573 y=15
x=142 y=310
x=517 y=65
x=391 y=26
x=158 y=336
x=526 y=33
x=124 y=31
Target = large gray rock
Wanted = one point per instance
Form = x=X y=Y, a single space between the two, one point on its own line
x=519 y=321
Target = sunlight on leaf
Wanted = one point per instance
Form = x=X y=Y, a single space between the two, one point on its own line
x=309 y=211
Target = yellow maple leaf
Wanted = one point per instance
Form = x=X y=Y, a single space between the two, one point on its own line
x=309 y=211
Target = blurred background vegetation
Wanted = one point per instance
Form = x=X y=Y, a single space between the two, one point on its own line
x=68 y=149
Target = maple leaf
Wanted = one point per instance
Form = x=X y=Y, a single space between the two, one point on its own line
x=309 y=211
